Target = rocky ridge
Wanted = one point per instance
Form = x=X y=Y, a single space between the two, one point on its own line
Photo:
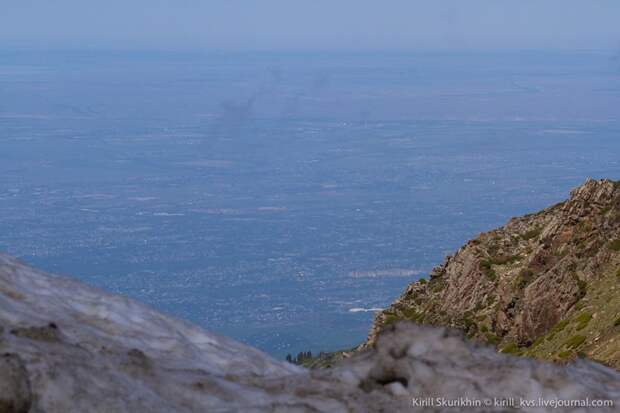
x=545 y=285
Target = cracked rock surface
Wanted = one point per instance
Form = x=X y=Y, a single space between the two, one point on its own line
x=69 y=348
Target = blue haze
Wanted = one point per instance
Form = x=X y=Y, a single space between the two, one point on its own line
x=266 y=195
x=310 y=24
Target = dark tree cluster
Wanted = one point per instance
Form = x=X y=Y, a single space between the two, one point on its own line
x=302 y=357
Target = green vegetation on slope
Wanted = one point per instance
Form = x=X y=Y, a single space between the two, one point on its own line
x=546 y=285
x=591 y=329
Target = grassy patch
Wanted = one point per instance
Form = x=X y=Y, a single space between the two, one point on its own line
x=563 y=355
x=560 y=326
x=390 y=319
x=556 y=329
x=583 y=320
x=413 y=315
x=487 y=269
x=531 y=234
x=537 y=342
x=492 y=339
x=436 y=284
x=410 y=313
x=575 y=341
x=510 y=348
x=615 y=245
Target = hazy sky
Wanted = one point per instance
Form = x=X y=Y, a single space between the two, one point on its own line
x=310 y=24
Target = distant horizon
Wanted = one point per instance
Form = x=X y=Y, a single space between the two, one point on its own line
x=279 y=25
x=199 y=51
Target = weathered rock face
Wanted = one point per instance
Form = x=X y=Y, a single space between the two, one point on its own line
x=545 y=285
x=68 y=348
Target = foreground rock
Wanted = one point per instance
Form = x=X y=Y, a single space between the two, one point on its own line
x=66 y=347
x=545 y=285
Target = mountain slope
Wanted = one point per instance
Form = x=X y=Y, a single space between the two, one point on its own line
x=545 y=285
